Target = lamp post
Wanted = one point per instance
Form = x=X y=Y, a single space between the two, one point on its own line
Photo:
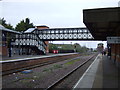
x=9 y=49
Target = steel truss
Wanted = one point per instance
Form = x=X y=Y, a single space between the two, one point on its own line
x=30 y=39
x=64 y=34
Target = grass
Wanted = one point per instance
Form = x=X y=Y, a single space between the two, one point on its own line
x=46 y=69
x=52 y=68
x=58 y=66
x=29 y=79
x=72 y=62
x=30 y=83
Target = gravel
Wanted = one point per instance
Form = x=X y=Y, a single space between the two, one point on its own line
x=41 y=77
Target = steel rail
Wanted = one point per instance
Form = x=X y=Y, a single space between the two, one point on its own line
x=68 y=74
x=31 y=67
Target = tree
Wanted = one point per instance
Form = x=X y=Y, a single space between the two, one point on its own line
x=84 y=49
x=8 y=26
x=53 y=46
x=77 y=47
x=24 y=25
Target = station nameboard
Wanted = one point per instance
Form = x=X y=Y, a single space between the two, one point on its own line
x=113 y=40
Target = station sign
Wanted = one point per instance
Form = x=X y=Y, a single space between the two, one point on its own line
x=113 y=40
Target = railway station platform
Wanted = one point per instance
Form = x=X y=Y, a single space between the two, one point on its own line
x=102 y=73
x=27 y=57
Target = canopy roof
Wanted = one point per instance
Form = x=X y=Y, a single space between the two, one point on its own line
x=7 y=30
x=102 y=22
x=29 y=30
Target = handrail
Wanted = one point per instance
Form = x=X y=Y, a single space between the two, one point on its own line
x=31 y=40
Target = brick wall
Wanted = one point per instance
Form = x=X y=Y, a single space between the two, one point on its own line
x=46 y=42
x=3 y=50
x=115 y=54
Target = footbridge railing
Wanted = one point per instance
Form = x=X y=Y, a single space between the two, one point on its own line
x=30 y=39
x=64 y=34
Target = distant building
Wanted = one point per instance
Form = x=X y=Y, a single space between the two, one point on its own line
x=100 y=47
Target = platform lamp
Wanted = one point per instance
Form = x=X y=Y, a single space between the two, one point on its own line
x=9 y=47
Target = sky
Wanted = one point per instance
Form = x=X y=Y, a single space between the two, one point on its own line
x=53 y=13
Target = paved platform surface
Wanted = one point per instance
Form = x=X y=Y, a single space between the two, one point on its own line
x=26 y=57
x=102 y=73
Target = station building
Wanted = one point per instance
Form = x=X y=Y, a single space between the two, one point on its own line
x=26 y=43
x=6 y=40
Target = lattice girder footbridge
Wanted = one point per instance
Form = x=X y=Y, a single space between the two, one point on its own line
x=63 y=34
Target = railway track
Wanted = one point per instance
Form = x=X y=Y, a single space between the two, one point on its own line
x=60 y=80
x=14 y=70
x=26 y=68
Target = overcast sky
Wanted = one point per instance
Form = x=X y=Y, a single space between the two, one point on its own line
x=53 y=13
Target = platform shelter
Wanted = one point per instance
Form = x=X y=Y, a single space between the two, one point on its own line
x=104 y=24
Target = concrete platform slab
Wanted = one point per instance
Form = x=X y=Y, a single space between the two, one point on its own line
x=27 y=57
x=102 y=73
x=86 y=81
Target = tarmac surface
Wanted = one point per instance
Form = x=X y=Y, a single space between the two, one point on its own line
x=21 y=56
x=27 y=57
x=101 y=74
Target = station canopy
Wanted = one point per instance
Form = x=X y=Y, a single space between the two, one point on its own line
x=102 y=22
x=2 y=28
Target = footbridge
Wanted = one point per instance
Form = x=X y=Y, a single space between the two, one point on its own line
x=64 y=34
x=35 y=37
x=56 y=34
